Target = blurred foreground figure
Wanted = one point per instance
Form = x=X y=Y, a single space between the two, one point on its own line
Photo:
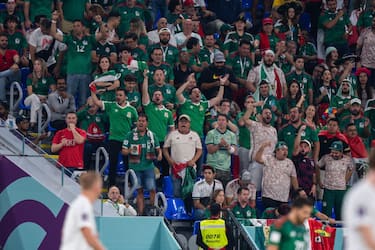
x=358 y=209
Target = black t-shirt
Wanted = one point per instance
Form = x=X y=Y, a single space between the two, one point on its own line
x=213 y=74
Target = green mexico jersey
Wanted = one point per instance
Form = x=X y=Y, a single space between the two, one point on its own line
x=339 y=102
x=168 y=72
x=337 y=32
x=244 y=133
x=168 y=91
x=304 y=80
x=140 y=149
x=134 y=98
x=308 y=49
x=128 y=14
x=233 y=39
x=139 y=55
x=170 y=53
x=74 y=9
x=121 y=119
x=269 y=102
x=359 y=123
x=40 y=7
x=241 y=66
x=159 y=120
x=288 y=236
x=105 y=49
x=196 y=112
x=85 y=119
x=365 y=19
x=18 y=13
x=272 y=38
x=17 y=42
x=124 y=70
x=41 y=87
x=79 y=54
x=221 y=159
x=288 y=135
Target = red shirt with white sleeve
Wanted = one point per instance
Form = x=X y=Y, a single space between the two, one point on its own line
x=70 y=155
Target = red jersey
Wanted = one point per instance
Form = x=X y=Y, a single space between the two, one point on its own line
x=6 y=60
x=72 y=154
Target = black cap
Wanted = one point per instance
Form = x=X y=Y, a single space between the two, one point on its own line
x=20 y=119
x=241 y=17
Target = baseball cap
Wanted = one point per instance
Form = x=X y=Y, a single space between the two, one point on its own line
x=225 y=27
x=337 y=145
x=267 y=20
x=184 y=117
x=219 y=57
x=21 y=118
x=307 y=142
x=355 y=100
x=281 y=144
x=246 y=176
x=329 y=50
x=241 y=17
x=164 y=30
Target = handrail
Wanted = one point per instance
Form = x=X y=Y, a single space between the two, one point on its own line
x=39 y=153
x=13 y=104
x=97 y=160
x=163 y=208
x=128 y=193
x=240 y=235
x=171 y=229
x=43 y=125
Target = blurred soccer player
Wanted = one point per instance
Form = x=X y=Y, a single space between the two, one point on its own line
x=359 y=212
x=79 y=230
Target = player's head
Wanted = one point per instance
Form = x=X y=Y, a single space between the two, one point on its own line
x=91 y=182
x=301 y=209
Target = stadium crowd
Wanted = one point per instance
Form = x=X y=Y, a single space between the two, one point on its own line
x=271 y=100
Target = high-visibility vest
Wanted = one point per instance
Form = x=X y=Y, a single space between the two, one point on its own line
x=213 y=233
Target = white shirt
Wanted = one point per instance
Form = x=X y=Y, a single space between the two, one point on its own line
x=183 y=146
x=42 y=42
x=202 y=189
x=181 y=38
x=80 y=214
x=153 y=38
x=359 y=210
x=120 y=209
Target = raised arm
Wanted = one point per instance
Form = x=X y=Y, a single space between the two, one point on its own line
x=245 y=119
x=54 y=34
x=145 y=94
x=180 y=90
x=216 y=100
x=95 y=99
x=259 y=154
x=297 y=141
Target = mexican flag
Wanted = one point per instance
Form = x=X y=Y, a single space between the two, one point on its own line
x=108 y=76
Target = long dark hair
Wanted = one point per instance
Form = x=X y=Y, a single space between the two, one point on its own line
x=289 y=98
x=98 y=69
x=367 y=89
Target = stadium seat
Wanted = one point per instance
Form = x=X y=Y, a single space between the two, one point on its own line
x=176 y=210
x=168 y=186
x=196 y=225
x=121 y=167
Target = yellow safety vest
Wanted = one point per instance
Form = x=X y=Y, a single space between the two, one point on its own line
x=213 y=233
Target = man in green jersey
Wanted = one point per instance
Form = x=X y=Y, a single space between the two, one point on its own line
x=170 y=52
x=72 y=10
x=128 y=11
x=336 y=26
x=142 y=148
x=131 y=40
x=79 y=65
x=33 y=8
x=167 y=90
x=242 y=210
x=289 y=233
x=161 y=118
x=122 y=116
x=156 y=62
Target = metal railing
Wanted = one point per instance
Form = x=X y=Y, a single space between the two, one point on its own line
x=42 y=125
x=98 y=153
x=241 y=238
x=14 y=104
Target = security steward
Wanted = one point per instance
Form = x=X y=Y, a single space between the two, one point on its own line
x=213 y=234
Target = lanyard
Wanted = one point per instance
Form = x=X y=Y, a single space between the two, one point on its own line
x=164 y=52
x=242 y=65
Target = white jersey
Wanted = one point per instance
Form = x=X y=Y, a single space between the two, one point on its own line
x=80 y=214
x=359 y=210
